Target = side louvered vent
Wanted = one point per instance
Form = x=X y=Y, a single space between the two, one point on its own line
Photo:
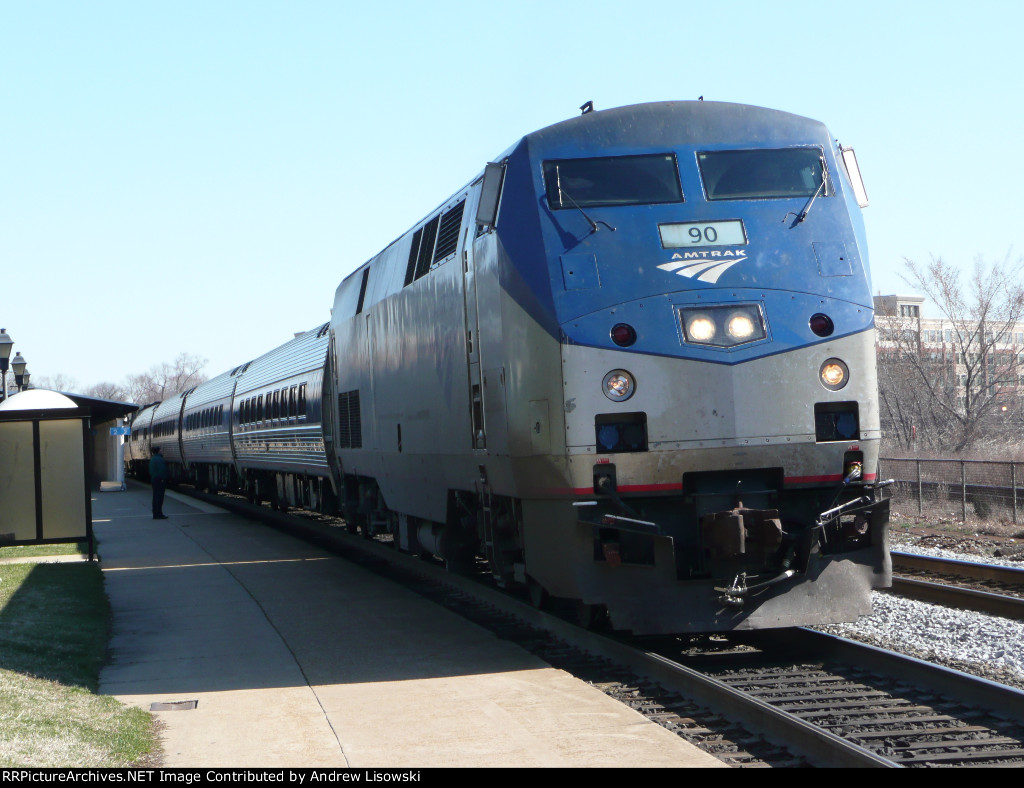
x=350 y=426
x=414 y=251
x=448 y=234
x=434 y=242
x=427 y=246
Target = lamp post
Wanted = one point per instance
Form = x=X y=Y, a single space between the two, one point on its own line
x=18 y=364
x=6 y=343
x=25 y=378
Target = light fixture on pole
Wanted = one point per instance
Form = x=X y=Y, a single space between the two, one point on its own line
x=6 y=343
x=25 y=379
x=18 y=364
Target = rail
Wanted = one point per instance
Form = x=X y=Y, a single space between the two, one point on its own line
x=942 y=581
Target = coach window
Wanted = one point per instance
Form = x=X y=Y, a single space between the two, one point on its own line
x=763 y=174
x=259 y=408
x=302 y=399
x=292 y=408
x=612 y=180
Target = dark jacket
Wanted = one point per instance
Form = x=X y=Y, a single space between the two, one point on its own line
x=157 y=467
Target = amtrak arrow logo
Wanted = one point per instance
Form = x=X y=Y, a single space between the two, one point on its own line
x=705 y=266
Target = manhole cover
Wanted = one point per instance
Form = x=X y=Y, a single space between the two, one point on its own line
x=174 y=705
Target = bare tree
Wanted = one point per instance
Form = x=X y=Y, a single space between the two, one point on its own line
x=58 y=382
x=951 y=395
x=166 y=379
x=105 y=390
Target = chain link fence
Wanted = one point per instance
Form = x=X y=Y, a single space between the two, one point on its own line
x=960 y=489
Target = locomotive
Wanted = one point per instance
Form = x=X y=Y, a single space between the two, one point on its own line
x=631 y=365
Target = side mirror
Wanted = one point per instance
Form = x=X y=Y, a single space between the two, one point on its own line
x=490 y=194
x=853 y=171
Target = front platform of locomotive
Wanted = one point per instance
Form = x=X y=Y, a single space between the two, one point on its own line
x=709 y=276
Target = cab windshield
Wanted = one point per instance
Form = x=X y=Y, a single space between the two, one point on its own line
x=612 y=180
x=762 y=174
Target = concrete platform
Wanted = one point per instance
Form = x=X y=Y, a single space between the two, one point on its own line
x=296 y=658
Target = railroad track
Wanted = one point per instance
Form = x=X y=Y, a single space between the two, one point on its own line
x=779 y=698
x=965 y=585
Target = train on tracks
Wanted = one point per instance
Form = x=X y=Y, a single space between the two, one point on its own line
x=631 y=365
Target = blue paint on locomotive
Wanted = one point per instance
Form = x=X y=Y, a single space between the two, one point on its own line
x=525 y=275
x=577 y=282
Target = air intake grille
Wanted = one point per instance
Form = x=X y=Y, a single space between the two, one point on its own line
x=350 y=426
x=410 y=271
x=448 y=234
x=427 y=246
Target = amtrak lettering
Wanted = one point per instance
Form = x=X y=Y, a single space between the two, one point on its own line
x=709 y=265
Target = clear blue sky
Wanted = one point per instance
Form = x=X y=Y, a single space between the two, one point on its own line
x=200 y=176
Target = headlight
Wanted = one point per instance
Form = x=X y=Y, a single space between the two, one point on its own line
x=618 y=385
x=722 y=326
x=700 y=328
x=740 y=326
x=834 y=374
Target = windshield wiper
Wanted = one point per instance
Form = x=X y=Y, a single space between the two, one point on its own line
x=563 y=193
x=807 y=208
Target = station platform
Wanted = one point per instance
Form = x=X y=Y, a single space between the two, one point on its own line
x=263 y=651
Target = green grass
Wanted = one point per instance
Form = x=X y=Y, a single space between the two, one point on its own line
x=37 y=550
x=54 y=626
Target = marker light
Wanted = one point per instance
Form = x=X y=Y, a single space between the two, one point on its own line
x=618 y=385
x=623 y=334
x=822 y=325
x=834 y=374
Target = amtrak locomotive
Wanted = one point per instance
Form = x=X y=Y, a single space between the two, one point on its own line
x=631 y=365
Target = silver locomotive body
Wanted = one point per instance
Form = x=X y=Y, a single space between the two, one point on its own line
x=733 y=488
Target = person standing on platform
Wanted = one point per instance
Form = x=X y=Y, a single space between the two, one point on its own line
x=158 y=478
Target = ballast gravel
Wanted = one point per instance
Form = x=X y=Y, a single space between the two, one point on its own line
x=975 y=643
